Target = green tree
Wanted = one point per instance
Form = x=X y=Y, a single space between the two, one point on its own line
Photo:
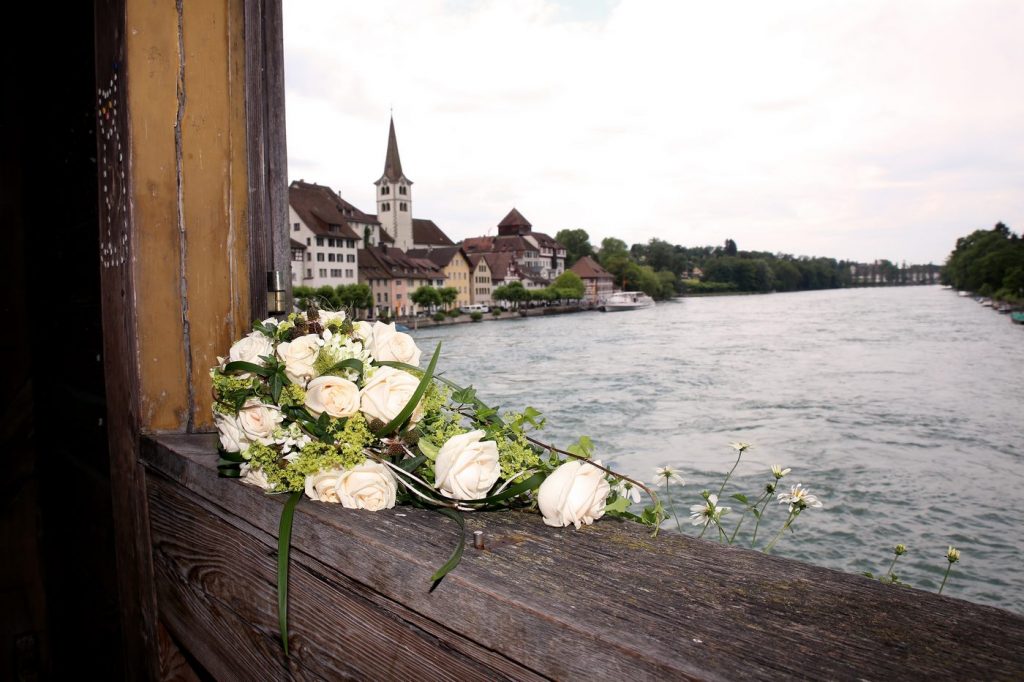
x=576 y=243
x=568 y=285
x=513 y=292
x=354 y=297
x=426 y=297
x=448 y=296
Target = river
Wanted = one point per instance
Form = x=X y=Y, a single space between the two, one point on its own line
x=899 y=407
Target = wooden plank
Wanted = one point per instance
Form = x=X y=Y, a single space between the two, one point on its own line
x=217 y=592
x=120 y=343
x=609 y=598
x=207 y=207
x=237 y=257
x=155 y=101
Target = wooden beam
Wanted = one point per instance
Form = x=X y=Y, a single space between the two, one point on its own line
x=606 y=600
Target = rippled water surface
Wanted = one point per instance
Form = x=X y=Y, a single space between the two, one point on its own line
x=900 y=408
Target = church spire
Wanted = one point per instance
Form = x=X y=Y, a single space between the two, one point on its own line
x=392 y=162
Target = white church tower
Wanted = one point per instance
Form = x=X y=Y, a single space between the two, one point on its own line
x=394 y=196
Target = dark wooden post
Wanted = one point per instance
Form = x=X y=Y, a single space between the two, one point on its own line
x=175 y=127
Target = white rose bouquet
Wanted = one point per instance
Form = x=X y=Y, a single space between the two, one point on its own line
x=340 y=412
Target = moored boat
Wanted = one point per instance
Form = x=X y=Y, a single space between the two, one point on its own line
x=1017 y=317
x=626 y=300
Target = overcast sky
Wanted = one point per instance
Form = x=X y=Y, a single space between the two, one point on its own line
x=859 y=129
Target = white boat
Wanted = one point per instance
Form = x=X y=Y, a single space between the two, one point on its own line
x=626 y=300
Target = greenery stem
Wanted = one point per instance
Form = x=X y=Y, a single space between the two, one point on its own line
x=729 y=475
x=789 y=521
x=892 y=565
x=705 y=529
x=671 y=506
x=746 y=511
x=945 y=577
x=761 y=515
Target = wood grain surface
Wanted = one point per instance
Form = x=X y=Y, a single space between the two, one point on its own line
x=604 y=602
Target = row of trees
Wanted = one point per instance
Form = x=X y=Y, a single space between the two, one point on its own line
x=567 y=287
x=662 y=270
x=989 y=263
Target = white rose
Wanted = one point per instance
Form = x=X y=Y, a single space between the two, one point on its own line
x=323 y=486
x=336 y=396
x=363 y=331
x=250 y=348
x=298 y=357
x=574 y=493
x=368 y=486
x=254 y=477
x=232 y=438
x=387 y=392
x=258 y=421
x=466 y=466
x=388 y=344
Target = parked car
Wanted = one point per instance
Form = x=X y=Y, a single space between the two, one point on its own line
x=474 y=308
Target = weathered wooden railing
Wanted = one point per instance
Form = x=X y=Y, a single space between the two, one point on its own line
x=607 y=601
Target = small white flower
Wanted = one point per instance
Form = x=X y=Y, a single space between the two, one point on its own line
x=627 y=490
x=799 y=499
x=707 y=512
x=952 y=554
x=666 y=474
x=778 y=472
x=740 y=446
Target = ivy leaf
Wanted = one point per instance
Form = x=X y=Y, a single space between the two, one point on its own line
x=620 y=504
x=530 y=415
x=584 y=447
x=464 y=396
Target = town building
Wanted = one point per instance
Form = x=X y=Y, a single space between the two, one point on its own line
x=538 y=258
x=458 y=270
x=326 y=232
x=482 y=283
x=393 y=275
x=597 y=282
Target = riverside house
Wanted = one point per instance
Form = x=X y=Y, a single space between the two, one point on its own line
x=458 y=270
x=537 y=256
x=598 y=282
x=393 y=275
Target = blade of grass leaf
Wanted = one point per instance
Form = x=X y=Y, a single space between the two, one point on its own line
x=284 y=537
x=456 y=556
x=410 y=406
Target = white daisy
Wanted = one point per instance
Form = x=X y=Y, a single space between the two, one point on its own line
x=665 y=474
x=707 y=512
x=799 y=499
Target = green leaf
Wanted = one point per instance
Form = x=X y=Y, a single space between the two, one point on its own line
x=230 y=456
x=581 y=448
x=412 y=463
x=510 y=492
x=530 y=415
x=229 y=470
x=284 y=538
x=756 y=513
x=466 y=396
x=620 y=504
x=740 y=497
x=239 y=366
x=410 y=406
x=428 y=449
x=456 y=556
x=350 y=363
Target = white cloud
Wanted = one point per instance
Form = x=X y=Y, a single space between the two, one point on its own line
x=856 y=130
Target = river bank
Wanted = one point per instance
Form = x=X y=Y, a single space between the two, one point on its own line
x=425 y=322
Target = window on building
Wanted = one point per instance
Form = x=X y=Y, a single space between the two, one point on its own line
x=402 y=206
x=350 y=243
x=307 y=241
x=350 y=258
x=409 y=283
x=349 y=272
x=385 y=189
x=398 y=297
x=386 y=206
x=309 y=273
x=320 y=257
x=378 y=297
x=319 y=241
x=330 y=241
x=309 y=256
x=295 y=227
x=385 y=297
x=401 y=189
x=335 y=272
x=323 y=272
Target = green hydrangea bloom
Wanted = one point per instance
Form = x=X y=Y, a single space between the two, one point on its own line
x=230 y=391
